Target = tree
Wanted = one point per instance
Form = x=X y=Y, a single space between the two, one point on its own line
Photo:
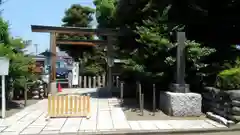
x=78 y=16
x=105 y=13
x=4 y=34
x=150 y=45
x=19 y=73
x=91 y=57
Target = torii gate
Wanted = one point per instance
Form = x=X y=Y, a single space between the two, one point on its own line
x=53 y=30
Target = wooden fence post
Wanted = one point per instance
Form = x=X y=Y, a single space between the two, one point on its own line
x=69 y=106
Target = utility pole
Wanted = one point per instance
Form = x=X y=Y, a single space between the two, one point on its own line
x=36 y=47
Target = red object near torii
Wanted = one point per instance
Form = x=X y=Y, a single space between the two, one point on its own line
x=59 y=87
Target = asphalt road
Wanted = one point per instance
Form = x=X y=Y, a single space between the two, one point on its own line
x=218 y=133
x=215 y=133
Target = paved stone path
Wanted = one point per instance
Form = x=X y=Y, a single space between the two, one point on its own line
x=106 y=116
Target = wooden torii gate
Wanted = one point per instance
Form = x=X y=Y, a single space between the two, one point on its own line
x=54 y=30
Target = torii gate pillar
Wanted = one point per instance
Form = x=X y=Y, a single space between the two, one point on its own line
x=53 y=59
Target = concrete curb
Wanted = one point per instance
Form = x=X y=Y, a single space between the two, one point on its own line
x=154 y=132
x=164 y=132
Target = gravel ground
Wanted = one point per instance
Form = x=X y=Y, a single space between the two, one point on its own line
x=132 y=112
x=15 y=106
x=148 y=115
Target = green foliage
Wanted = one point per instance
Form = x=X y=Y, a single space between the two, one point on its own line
x=78 y=16
x=94 y=63
x=19 y=69
x=91 y=57
x=152 y=43
x=4 y=34
x=154 y=54
x=19 y=63
x=229 y=79
x=149 y=47
x=149 y=51
x=195 y=53
x=105 y=13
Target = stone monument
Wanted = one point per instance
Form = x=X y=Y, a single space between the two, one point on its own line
x=179 y=101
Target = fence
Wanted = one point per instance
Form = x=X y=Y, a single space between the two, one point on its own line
x=69 y=106
x=96 y=81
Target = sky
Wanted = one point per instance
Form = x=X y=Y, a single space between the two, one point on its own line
x=21 y=14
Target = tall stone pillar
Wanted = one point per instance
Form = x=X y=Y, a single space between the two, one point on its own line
x=180 y=101
x=180 y=85
x=110 y=62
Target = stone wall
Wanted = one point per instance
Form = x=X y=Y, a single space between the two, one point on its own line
x=222 y=103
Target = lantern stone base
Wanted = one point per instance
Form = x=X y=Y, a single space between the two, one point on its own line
x=181 y=104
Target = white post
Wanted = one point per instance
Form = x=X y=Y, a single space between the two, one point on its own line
x=75 y=73
x=3 y=97
x=4 y=66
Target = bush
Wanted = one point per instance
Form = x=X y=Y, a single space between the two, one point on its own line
x=229 y=79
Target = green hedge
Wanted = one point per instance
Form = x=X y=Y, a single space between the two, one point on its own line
x=229 y=79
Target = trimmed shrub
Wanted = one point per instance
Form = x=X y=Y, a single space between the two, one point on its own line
x=229 y=79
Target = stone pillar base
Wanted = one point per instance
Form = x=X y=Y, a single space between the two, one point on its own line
x=181 y=88
x=181 y=104
x=53 y=88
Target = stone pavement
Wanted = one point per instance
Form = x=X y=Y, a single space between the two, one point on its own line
x=106 y=117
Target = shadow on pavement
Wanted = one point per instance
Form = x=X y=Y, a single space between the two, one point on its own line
x=15 y=106
x=98 y=93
